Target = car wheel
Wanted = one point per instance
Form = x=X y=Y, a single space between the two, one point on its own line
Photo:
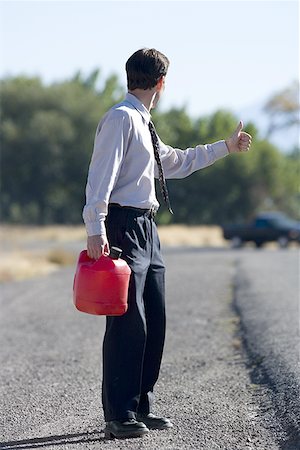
x=282 y=241
x=258 y=244
x=236 y=242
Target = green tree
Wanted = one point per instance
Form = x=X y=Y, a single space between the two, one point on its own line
x=215 y=194
x=47 y=134
x=47 y=137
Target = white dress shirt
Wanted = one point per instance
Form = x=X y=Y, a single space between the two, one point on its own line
x=123 y=168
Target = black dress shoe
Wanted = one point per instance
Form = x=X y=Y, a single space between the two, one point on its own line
x=153 y=422
x=122 y=430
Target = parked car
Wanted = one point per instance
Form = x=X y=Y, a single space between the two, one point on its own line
x=266 y=227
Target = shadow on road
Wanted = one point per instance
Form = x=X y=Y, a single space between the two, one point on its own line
x=78 y=438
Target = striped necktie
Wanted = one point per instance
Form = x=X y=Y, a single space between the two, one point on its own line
x=161 y=177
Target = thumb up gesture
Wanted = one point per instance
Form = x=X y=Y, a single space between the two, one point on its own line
x=239 y=141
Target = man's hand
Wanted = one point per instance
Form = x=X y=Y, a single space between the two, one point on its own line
x=239 y=141
x=97 y=245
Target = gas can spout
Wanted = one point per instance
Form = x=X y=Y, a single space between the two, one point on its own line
x=115 y=253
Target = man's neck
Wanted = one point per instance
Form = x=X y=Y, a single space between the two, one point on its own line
x=147 y=97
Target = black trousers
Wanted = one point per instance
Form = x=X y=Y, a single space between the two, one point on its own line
x=133 y=343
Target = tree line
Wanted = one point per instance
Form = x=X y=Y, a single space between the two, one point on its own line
x=47 y=134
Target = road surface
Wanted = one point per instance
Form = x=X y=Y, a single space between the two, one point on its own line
x=229 y=378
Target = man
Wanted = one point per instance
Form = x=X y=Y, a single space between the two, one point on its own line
x=119 y=211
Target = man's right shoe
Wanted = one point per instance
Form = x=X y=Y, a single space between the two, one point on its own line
x=122 y=430
x=154 y=422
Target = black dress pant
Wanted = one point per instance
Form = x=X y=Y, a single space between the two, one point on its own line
x=133 y=343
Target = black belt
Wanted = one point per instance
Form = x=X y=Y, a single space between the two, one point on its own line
x=148 y=212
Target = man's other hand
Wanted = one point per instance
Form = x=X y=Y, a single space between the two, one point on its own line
x=97 y=245
x=239 y=141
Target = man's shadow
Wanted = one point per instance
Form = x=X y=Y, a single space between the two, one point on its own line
x=78 y=438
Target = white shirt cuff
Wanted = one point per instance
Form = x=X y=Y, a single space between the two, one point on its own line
x=220 y=149
x=93 y=228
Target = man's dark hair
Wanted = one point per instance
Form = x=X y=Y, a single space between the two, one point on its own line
x=145 y=68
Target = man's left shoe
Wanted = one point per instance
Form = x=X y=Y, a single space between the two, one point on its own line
x=127 y=429
x=153 y=422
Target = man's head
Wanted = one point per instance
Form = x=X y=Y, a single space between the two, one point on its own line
x=146 y=68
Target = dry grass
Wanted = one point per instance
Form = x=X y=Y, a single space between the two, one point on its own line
x=195 y=236
x=17 y=236
x=61 y=257
x=19 y=265
x=25 y=250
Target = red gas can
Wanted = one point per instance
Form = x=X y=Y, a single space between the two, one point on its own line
x=101 y=286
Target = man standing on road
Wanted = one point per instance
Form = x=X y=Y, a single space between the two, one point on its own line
x=119 y=211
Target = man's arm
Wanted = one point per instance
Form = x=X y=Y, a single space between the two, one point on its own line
x=180 y=164
x=109 y=147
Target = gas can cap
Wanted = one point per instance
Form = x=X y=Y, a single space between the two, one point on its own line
x=115 y=253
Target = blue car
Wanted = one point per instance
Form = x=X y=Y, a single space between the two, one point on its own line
x=266 y=227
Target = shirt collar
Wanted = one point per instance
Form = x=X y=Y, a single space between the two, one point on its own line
x=139 y=106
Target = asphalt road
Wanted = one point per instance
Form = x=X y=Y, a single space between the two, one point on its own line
x=229 y=378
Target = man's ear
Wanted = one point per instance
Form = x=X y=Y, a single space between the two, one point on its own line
x=160 y=83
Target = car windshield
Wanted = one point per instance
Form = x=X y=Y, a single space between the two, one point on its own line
x=283 y=221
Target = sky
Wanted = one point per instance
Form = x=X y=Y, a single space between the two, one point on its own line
x=224 y=54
